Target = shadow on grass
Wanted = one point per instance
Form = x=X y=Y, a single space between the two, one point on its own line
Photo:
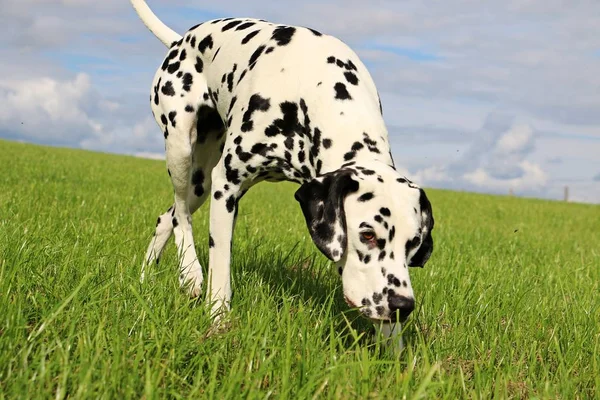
x=310 y=278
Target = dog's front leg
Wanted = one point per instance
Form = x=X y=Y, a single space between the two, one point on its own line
x=223 y=212
x=391 y=334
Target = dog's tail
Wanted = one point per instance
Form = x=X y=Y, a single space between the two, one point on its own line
x=156 y=26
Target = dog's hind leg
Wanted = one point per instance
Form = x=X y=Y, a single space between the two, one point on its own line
x=204 y=160
x=179 y=104
x=209 y=136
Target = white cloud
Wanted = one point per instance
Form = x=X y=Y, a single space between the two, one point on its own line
x=496 y=161
x=531 y=179
x=71 y=112
x=80 y=72
x=43 y=107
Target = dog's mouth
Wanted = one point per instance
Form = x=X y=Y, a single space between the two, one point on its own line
x=350 y=304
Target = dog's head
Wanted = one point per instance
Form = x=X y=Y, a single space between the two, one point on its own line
x=374 y=224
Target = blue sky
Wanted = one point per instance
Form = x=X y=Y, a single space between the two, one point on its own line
x=478 y=96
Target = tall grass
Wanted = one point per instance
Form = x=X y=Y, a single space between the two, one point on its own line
x=508 y=305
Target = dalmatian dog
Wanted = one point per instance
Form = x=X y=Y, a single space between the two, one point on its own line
x=241 y=101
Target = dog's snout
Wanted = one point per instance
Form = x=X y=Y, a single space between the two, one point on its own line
x=402 y=304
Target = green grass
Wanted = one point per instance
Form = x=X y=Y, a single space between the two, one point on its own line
x=508 y=305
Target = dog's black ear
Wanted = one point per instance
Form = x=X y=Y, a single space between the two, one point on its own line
x=424 y=252
x=322 y=203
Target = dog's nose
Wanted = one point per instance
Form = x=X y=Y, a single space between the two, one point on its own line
x=404 y=306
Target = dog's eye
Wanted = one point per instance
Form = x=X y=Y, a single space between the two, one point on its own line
x=367 y=236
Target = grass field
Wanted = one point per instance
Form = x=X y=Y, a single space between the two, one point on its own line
x=508 y=305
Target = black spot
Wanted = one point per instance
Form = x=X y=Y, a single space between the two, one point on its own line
x=211 y=242
x=377 y=297
x=392 y=255
x=385 y=211
x=380 y=243
x=231 y=174
x=173 y=67
x=392 y=233
x=230 y=203
x=188 y=80
x=314 y=32
x=245 y=25
x=199 y=65
x=198 y=177
x=390 y=279
x=168 y=89
x=163 y=119
x=175 y=223
x=254 y=57
x=206 y=43
x=367 y=259
x=230 y=78
x=351 y=77
x=366 y=197
x=365 y=302
x=289 y=125
x=199 y=190
x=380 y=310
x=360 y=255
x=233 y=100
x=255 y=103
x=216 y=53
x=289 y=143
x=327 y=143
x=218 y=194
x=158 y=221
x=230 y=25
x=283 y=35
x=242 y=76
x=341 y=92
x=331 y=60
x=189 y=108
x=349 y=155
x=172 y=116
x=242 y=155
x=382 y=255
x=170 y=57
x=183 y=55
x=357 y=146
x=249 y=36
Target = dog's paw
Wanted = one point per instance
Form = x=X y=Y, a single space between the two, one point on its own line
x=191 y=280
